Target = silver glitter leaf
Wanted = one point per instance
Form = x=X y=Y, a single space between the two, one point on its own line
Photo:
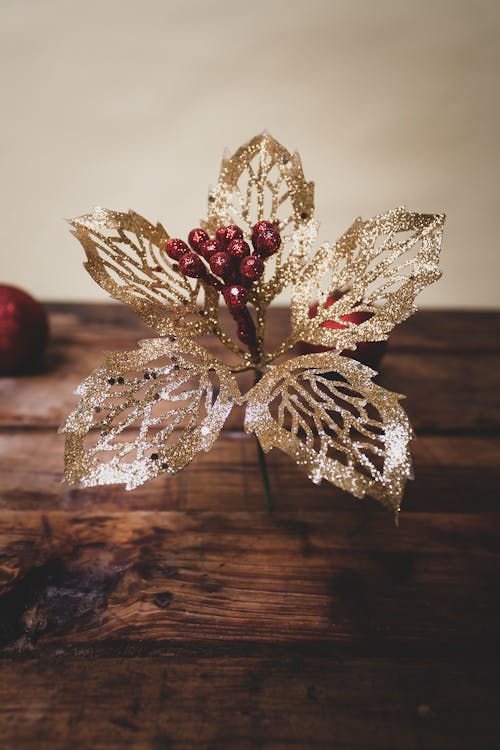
x=328 y=415
x=146 y=412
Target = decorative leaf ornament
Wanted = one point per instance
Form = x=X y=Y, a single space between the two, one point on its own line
x=338 y=425
x=150 y=411
x=146 y=412
x=125 y=255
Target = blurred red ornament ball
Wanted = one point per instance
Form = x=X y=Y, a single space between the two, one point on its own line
x=24 y=331
x=370 y=353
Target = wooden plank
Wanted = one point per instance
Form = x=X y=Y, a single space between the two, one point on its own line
x=439 y=330
x=468 y=331
x=447 y=388
x=453 y=474
x=188 y=702
x=444 y=391
x=340 y=578
x=183 y=615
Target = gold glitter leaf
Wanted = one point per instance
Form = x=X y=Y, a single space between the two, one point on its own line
x=375 y=270
x=328 y=415
x=125 y=255
x=262 y=180
x=146 y=412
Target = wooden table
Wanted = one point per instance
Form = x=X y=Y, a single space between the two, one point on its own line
x=183 y=615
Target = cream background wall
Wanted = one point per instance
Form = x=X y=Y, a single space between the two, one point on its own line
x=130 y=104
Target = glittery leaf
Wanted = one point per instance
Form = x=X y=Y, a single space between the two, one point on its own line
x=262 y=180
x=375 y=270
x=328 y=415
x=125 y=255
x=146 y=412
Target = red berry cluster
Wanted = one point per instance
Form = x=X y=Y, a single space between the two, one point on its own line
x=227 y=263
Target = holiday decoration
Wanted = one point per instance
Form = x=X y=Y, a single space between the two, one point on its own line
x=151 y=410
x=24 y=331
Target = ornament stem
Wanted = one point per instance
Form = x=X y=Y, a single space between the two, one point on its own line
x=263 y=464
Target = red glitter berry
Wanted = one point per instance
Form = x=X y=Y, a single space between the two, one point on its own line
x=220 y=264
x=260 y=227
x=238 y=248
x=225 y=235
x=252 y=267
x=196 y=237
x=175 y=248
x=191 y=264
x=236 y=296
x=209 y=247
x=267 y=242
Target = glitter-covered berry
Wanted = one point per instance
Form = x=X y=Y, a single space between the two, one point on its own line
x=192 y=265
x=225 y=262
x=267 y=242
x=196 y=237
x=175 y=248
x=238 y=249
x=252 y=267
x=236 y=297
x=210 y=247
x=260 y=227
x=221 y=265
x=225 y=235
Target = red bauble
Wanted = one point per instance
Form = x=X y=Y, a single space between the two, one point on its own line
x=209 y=248
x=252 y=267
x=267 y=242
x=238 y=249
x=225 y=235
x=367 y=352
x=196 y=237
x=24 y=331
x=191 y=264
x=357 y=317
x=220 y=265
x=236 y=297
x=176 y=248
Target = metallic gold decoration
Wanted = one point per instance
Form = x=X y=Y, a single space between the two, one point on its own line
x=380 y=265
x=125 y=255
x=336 y=425
x=262 y=180
x=152 y=410
x=147 y=412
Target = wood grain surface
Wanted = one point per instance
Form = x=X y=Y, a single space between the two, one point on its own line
x=183 y=615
